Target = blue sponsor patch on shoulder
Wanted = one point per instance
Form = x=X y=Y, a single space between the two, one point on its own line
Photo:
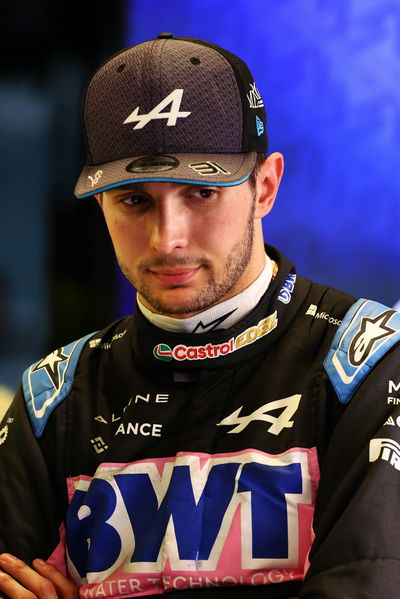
x=47 y=382
x=368 y=331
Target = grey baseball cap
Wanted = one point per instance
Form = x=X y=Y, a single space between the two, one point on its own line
x=171 y=109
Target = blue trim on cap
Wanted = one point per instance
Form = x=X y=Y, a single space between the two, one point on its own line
x=43 y=392
x=187 y=181
x=367 y=332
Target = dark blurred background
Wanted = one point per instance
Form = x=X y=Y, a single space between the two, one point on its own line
x=328 y=71
x=57 y=272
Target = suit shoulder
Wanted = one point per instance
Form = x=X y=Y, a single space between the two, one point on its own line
x=46 y=383
x=368 y=331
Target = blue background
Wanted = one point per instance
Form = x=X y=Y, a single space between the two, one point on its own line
x=329 y=73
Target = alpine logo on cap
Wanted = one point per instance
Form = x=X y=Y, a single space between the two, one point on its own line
x=174 y=98
x=181 y=352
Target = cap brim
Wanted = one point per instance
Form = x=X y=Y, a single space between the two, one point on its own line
x=200 y=169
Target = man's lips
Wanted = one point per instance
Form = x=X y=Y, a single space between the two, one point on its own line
x=175 y=276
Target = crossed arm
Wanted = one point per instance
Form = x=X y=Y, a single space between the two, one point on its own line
x=43 y=581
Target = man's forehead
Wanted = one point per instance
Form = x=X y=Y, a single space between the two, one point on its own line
x=144 y=184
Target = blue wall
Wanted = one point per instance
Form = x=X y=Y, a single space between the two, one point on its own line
x=329 y=74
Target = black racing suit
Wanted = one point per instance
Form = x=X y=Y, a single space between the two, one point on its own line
x=263 y=459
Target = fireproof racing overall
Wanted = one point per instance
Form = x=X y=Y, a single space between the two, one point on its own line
x=145 y=461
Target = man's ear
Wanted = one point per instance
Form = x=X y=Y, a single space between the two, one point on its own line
x=99 y=198
x=267 y=183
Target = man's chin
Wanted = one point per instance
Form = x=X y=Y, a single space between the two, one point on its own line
x=175 y=305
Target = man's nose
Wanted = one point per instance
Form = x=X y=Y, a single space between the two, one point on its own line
x=169 y=228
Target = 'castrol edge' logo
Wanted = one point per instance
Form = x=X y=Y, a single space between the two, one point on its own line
x=164 y=352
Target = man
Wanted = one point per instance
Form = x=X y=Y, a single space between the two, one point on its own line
x=239 y=433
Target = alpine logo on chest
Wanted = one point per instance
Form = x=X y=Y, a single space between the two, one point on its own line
x=287 y=408
x=241 y=514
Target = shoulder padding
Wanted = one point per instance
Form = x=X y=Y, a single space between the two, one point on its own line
x=47 y=382
x=367 y=332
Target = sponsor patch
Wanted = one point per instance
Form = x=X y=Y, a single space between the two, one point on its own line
x=386 y=450
x=392 y=422
x=208 y=168
x=214 y=324
x=285 y=294
x=96 y=178
x=367 y=332
x=98 y=444
x=193 y=520
x=143 y=429
x=259 y=126
x=3 y=434
x=254 y=97
x=98 y=342
x=5 y=430
x=393 y=392
x=312 y=311
x=164 y=352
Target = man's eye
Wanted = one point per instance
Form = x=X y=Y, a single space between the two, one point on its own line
x=205 y=193
x=135 y=199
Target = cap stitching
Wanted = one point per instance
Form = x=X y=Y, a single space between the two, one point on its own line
x=161 y=149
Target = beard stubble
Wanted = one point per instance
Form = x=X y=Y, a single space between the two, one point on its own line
x=213 y=291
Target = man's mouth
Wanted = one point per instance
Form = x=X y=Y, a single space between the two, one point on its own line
x=175 y=276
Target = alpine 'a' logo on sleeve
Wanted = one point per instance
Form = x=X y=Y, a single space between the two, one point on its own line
x=288 y=407
x=192 y=521
x=174 y=98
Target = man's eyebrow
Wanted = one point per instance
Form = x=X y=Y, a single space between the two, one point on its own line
x=140 y=186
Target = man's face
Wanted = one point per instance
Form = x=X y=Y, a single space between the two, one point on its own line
x=184 y=247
